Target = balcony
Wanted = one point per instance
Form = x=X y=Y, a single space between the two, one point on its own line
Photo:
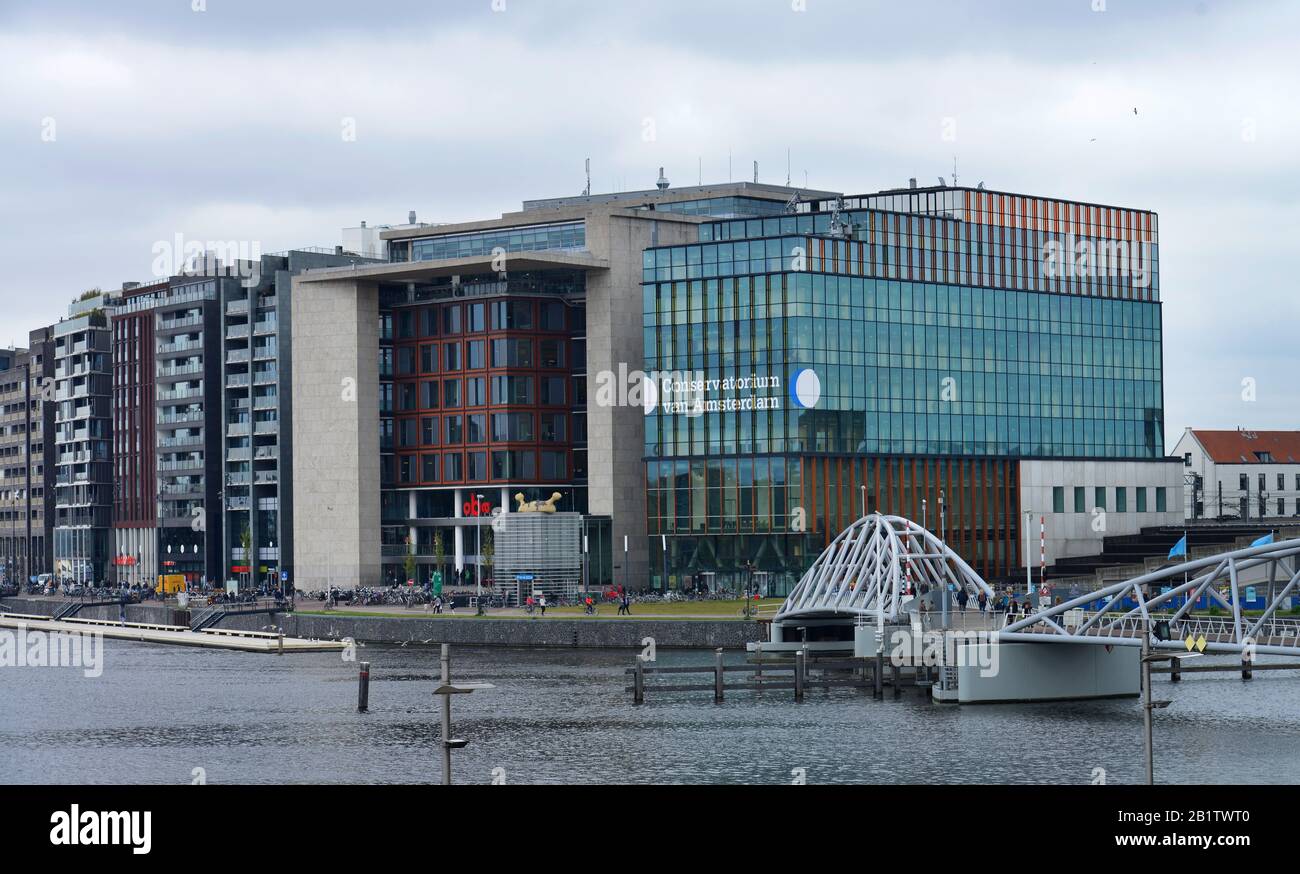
x=265 y=353
x=267 y=428
x=237 y=356
x=180 y=394
x=237 y=429
x=238 y=479
x=266 y=377
x=178 y=372
x=237 y=380
x=236 y=332
x=180 y=466
x=266 y=403
x=265 y=326
x=237 y=307
x=189 y=323
x=266 y=453
x=267 y=478
x=239 y=503
x=180 y=418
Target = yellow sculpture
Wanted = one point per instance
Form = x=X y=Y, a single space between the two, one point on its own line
x=537 y=506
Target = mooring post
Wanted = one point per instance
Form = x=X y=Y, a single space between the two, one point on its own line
x=758 y=674
x=878 y=676
x=445 y=663
x=279 y=642
x=1246 y=673
x=717 y=675
x=798 y=675
x=363 y=688
x=897 y=679
x=1175 y=670
x=638 y=682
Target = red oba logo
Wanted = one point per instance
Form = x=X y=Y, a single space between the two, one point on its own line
x=475 y=507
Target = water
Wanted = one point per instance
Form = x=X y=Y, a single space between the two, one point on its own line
x=157 y=713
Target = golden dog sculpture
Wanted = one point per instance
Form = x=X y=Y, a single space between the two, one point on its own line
x=547 y=506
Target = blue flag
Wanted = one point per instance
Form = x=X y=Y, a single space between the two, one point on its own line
x=1266 y=539
x=1180 y=548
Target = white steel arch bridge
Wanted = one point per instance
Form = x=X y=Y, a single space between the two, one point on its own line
x=865 y=573
x=868 y=568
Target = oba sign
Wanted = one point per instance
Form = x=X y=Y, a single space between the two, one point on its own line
x=475 y=507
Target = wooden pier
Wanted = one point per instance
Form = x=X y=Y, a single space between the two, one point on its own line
x=797 y=674
x=178 y=635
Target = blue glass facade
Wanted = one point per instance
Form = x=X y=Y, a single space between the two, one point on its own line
x=830 y=363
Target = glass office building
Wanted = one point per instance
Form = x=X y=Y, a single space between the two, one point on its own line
x=899 y=352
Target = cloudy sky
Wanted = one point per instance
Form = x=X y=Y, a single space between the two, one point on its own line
x=123 y=124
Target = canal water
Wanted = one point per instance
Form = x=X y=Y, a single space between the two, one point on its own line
x=156 y=714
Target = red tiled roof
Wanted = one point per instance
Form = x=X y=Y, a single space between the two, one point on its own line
x=1242 y=447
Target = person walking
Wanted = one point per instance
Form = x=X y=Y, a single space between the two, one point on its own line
x=962 y=599
x=542 y=603
x=983 y=601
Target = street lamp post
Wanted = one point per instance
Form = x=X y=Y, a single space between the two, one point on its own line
x=478 y=548
x=1029 y=568
x=943 y=517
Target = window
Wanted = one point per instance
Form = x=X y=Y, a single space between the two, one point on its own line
x=1281 y=481
x=517 y=390
x=552 y=315
x=429 y=322
x=476 y=428
x=477 y=466
x=428 y=358
x=406 y=397
x=1079 y=500
x=451 y=320
x=1141 y=493
x=1160 y=500
x=429 y=431
x=476 y=317
x=1058 y=499
x=429 y=394
x=451 y=393
x=452 y=467
x=451 y=356
x=554 y=466
x=475 y=391
x=553 y=391
x=553 y=427
x=1121 y=499
x=405 y=324
x=1099 y=498
x=514 y=464
x=512 y=353
x=406 y=433
x=551 y=354
x=405 y=360
x=454 y=431
x=429 y=468
x=512 y=315
x=512 y=426
x=476 y=356
x=406 y=469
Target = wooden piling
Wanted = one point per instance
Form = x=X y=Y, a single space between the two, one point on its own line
x=717 y=675
x=638 y=682
x=363 y=688
x=799 y=664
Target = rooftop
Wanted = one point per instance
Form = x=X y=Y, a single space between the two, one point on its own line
x=1250 y=447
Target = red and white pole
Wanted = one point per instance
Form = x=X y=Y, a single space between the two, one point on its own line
x=1042 y=550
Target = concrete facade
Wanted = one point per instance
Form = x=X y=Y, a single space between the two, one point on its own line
x=335 y=434
x=1071 y=533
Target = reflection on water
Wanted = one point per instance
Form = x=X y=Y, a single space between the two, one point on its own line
x=563 y=716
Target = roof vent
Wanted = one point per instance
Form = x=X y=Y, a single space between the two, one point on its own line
x=911 y=183
x=410 y=217
x=662 y=184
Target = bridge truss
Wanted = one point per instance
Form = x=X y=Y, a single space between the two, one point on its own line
x=1169 y=595
x=869 y=568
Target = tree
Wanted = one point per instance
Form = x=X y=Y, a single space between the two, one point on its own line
x=489 y=551
x=409 y=563
x=439 y=555
x=246 y=544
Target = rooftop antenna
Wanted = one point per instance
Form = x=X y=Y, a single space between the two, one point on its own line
x=701 y=182
x=755 y=172
x=662 y=184
x=792 y=205
x=954 y=171
x=587 y=192
x=787 y=167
